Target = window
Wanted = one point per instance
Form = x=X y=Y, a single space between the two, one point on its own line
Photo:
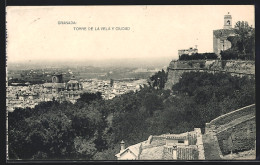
x=180 y=141
x=228 y=22
x=54 y=79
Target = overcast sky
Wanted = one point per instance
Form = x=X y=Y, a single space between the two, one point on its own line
x=33 y=33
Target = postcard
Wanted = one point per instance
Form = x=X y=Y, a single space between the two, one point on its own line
x=130 y=82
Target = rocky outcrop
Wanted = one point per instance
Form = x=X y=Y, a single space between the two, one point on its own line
x=234 y=67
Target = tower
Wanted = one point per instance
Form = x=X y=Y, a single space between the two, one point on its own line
x=220 y=41
x=57 y=78
x=227 y=21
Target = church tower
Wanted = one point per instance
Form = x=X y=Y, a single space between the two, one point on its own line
x=220 y=41
x=227 y=21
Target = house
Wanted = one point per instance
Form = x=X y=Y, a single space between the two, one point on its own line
x=130 y=153
x=185 y=146
x=189 y=51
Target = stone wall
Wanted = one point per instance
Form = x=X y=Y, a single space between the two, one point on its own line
x=234 y=67
x=234 y=131
x=199 y=143
x=239 y=138
x=228 y=117
x=216 y=142
x=220 y=41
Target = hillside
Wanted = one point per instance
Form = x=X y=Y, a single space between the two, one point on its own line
x=92 y=128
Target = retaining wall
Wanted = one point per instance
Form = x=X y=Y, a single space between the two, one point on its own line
x=228 y=117
x=234 y=131
x=239 y=138
x=234 y=67
x=199 y=143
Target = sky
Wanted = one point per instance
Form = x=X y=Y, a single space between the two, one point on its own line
x=33 y=32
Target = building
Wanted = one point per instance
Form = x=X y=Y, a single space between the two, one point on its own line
x=185 y=146
x=61 y=91
x=189 y=51
x=220 y=42
x=31 y=95
x=57 y=78
x=56 y=85
x=72 y=92
x=73 y=85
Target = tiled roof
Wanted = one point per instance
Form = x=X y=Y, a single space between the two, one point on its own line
x=73 y=81
x=167 y=155
x=56 y=85
x=135 y=149
x=187 y=152
x=155 y=148
x=154 y=153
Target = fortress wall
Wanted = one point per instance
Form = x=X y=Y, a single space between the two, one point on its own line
x=199 y=143
x=243 y=137
x=173 y=78
x=235 y=67
x=240 y=124
x=233 y=115
x=216 y=144
x=192 y=64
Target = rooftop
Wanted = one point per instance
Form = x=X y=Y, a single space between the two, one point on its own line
x=156 y=148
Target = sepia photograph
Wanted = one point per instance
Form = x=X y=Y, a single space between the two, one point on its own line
x=130 y=82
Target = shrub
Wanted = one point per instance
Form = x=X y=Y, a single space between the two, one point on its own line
x=198 y=56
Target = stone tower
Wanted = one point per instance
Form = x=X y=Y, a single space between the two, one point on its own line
x=227 y=21
x=220 y=41
x=57 y=78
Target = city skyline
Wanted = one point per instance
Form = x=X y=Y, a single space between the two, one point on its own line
x=34 y=33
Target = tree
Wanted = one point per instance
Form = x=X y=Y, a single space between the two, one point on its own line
x=159 y=79
x=85 y=148
x=108 y=154
x=244 y=33
x=48 y=133
x=89 y=97
x=152 y=102
x=243 y=43
x=198 y=56
x=184 y=57
x=92 y=128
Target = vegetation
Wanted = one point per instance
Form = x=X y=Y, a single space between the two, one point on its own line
x=243 y=43
x=92 y=128
x=198 y=56
x=158 y=80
